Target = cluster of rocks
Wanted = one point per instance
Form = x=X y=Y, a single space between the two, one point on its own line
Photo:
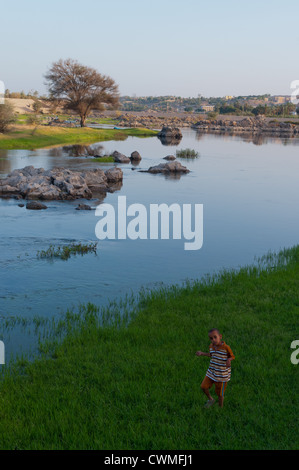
x=59 y=183
x=249 y=124
x=121 y=158
x=171 y=167
x=155 y=122
x=37 y=184
x=58 y=123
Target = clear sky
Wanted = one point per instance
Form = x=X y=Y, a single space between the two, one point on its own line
x=156 y=47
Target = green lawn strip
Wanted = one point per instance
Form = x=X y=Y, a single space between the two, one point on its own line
x=112 y=121
x=137 y=385
x=27 y=138
x=104 y=159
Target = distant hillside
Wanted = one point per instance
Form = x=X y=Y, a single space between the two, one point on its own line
x=25 y=105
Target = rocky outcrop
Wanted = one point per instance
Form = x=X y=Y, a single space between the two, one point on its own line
x=258 y=124
x=154 y=121
x=171 y=167
x=59 y=183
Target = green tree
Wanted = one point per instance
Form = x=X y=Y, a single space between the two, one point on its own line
x=37 y=105
x=258 y=110
x=7 y=116
x=212 y=115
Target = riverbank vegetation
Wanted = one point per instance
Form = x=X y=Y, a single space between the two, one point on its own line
x=187 y=153
x=66 y=251
x=33 y=137
x=104 y=159
x=127 y=377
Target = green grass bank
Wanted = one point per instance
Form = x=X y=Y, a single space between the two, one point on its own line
x=133 y=381
x=31 y=137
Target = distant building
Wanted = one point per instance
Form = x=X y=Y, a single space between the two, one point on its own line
x=228 y=97
x=279 y=99
x=207 y=108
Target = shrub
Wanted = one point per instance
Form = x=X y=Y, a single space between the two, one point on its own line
x=7 y=116
x=66 y=251
x=187 y=153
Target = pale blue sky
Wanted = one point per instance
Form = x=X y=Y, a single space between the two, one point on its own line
x=160 y=47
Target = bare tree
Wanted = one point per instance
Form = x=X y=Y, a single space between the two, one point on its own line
x=81 y=89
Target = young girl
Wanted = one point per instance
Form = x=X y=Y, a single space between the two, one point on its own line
x=219 y=371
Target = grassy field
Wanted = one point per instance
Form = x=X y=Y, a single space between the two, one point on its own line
x=132 y=381
x=31 y=137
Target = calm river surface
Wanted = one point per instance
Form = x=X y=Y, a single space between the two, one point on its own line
x=250 y=197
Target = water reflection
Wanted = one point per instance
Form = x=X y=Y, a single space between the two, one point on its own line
x=83 y=150
x=169 y=140
x=173 y=176
x=55 y=152
x=5 y=166
x=252 y=137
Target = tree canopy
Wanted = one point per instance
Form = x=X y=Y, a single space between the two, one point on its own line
x=7 y=116
x=80 y=88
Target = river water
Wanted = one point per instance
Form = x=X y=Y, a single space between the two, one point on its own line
x=248 y=188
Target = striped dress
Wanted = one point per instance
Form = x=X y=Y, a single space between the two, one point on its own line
x=218 y=371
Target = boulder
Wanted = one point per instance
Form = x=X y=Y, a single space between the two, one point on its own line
x=35 y=206
x=173 y=132
x=135 y=156
x=170 y=135
x=83 y=207
x=96 y=180
x=172 y=167
x=114 y=175
x=169 y=157
x=120 y=157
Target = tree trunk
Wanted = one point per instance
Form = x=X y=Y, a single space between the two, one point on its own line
x=82 y=121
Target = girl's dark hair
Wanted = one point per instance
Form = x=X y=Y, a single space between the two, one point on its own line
x=214 y=329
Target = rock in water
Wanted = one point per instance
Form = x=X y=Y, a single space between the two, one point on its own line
x=120 y=157
x=59 y=183
x=135 y=156
x=169 y=157
x=171 y=167
x=173 y=132
x=83 y=207
x=35 y=206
